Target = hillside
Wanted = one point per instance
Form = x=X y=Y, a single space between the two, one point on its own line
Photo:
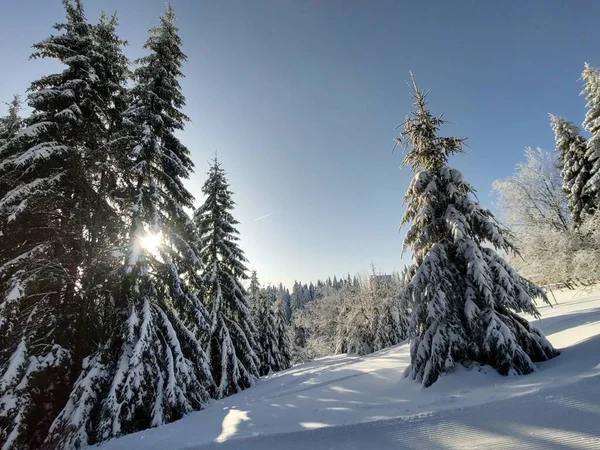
x=350 y=402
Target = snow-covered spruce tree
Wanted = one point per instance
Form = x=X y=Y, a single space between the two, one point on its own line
x=258 y=304
x=296 y=300
x=104 y=227
x=12 y=123
x=152 y=368
x=575 y=167
x=45 y=218
x=266 y=338
x=283 y=295
x=274 y=354
x=591 y=76
x=253 y=291
x=232 y=348
x=282 y=332
x=463 y=296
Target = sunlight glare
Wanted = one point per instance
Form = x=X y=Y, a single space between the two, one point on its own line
x=150 y=242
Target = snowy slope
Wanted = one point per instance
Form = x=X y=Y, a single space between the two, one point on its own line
x=556 y=407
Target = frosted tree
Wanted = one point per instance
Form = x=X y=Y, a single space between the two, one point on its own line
x=389 y=320
x=586 y=260
x=48 y=197
x=357 y=320
x=151 y=368
x=575 y=167
x=533 y=196
x=464 y=298
x=591 y=77
x=360 y=317
x=315 y=328
x=232 y=347
x=390 y=326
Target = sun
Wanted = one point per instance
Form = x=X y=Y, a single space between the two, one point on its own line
x=150 y=242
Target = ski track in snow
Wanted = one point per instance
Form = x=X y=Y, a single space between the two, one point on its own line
x=527 y=422
x=349 y=402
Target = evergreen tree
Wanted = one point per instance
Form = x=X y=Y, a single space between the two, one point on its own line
x=151 y=368
x=283 y=296
x=575 y=167
x=464 y=298
x=232 y=348
x=253 y=290
x=105 y=223
x=12 y=123
x=282 y=333
x=591 y=76
x=48 y=197
x=296 y=296
x=266 y=336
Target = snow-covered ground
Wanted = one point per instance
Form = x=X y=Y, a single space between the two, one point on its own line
x=370 y=405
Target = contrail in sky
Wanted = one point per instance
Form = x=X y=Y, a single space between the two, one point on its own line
x=263 y=217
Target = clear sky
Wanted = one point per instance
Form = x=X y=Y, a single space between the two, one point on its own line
x=300 y=98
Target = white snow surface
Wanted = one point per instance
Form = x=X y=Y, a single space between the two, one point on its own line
x=350 y=402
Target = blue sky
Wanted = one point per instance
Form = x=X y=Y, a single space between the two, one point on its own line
x=300 y=98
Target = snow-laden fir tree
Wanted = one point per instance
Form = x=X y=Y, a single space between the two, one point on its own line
x=151 y=368
x=263 y=320
x=45 y=220
x=106 y=225
x=464 y=298
x=282 y=332
x=591 y=77
x=271 y=336
x=232 y=347
x=296 y=300
x=576 y=168
x=10 y=125
x=12 y=122
x=283 y=296
x=253 y=291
